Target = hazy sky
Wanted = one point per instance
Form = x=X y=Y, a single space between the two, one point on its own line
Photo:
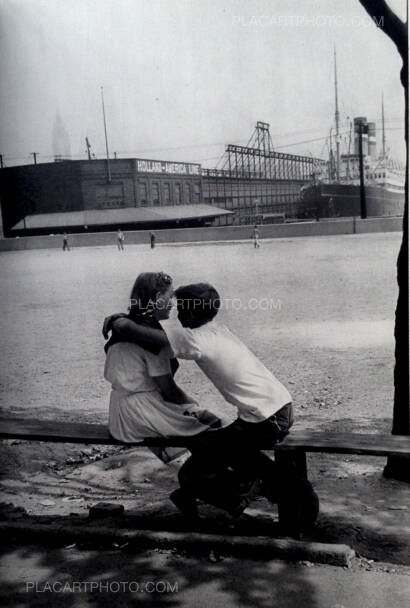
x=182 y=78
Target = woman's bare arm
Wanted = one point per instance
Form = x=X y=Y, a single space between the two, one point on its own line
x=170 y=390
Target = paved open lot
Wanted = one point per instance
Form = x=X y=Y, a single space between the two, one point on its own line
x=318 y=311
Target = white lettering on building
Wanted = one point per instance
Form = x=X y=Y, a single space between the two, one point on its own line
x=157 y=166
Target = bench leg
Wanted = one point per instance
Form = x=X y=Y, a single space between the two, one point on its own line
x=292 y=466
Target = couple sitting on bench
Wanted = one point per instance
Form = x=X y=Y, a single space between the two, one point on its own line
x=226 y=467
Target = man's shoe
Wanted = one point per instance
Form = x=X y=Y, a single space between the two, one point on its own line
x=239 y=508
x=245 y=500
x=185 y=503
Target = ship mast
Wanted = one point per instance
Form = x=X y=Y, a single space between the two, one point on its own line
x=337 y=119
x=106 y=138
x=383 y=131
x=348 y=152
x=331 y=158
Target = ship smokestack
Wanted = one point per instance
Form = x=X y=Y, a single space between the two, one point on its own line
x=372 y=140
x=365 y=141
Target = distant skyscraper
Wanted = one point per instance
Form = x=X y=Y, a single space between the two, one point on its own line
x=61 y=139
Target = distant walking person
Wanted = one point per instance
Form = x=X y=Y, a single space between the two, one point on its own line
x=65 y=242
x=256 y=236
x=152 y=239
x=120 y=239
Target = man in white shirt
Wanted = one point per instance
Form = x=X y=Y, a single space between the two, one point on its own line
x=264 y=405
x=256 y=237
x=120 y=239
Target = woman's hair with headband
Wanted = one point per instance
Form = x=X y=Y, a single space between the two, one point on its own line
x=145 y=290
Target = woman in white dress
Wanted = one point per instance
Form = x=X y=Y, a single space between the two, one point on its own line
x=145 y=401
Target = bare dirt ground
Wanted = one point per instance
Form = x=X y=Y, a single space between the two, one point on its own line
x=318 y=312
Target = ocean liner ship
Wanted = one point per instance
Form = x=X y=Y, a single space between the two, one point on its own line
x=384 y=189
x=335 y=192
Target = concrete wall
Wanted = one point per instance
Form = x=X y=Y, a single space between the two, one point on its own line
x=379 y=224
x=223 y=233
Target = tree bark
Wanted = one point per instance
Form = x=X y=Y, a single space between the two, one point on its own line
x=399 y=468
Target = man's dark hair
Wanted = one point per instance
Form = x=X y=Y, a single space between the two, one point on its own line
x=200 y=299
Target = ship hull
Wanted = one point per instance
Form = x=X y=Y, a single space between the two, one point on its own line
x=343 y=200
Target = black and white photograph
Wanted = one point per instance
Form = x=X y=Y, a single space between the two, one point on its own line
x=204 y=312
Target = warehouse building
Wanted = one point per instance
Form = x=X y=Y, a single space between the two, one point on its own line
x=94 y=195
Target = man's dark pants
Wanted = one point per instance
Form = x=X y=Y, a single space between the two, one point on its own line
x=228 y=459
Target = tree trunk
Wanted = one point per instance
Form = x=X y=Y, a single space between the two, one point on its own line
x=399 y=468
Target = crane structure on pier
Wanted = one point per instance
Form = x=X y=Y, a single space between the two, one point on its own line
x=258 y=183
x=259 y=160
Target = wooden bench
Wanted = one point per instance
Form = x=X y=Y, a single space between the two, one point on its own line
x=289 y=454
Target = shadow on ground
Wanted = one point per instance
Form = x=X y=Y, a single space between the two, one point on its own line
x=163 y=579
